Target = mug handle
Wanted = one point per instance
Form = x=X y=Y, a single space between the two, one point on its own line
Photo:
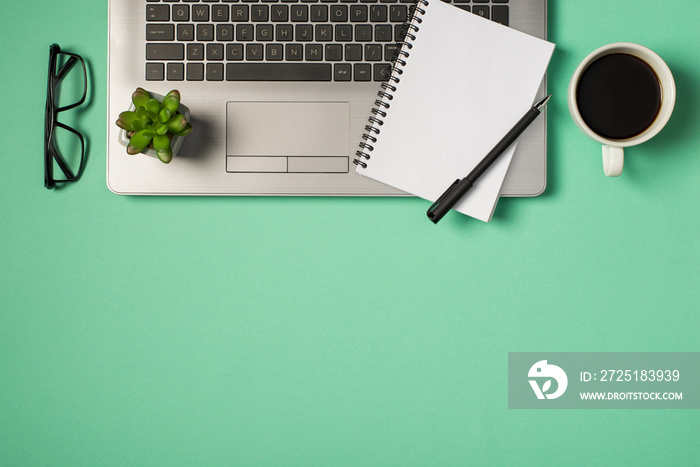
x=613 y=160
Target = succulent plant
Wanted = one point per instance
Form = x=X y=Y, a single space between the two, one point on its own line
x=153 y=124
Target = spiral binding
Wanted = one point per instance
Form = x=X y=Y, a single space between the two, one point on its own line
x=379 y=112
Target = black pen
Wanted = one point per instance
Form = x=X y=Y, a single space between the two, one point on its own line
x=460 y=187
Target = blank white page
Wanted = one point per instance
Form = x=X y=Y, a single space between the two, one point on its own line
x=466 y=82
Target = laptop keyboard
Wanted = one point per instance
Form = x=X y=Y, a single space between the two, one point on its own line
x=281 y=40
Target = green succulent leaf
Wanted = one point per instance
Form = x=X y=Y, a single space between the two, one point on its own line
x=176 y=124
x=165 y=156
x=164 y=115
x=153 y=106
x=162 y=129
x=171 y=101
x=141 y=112
x=129 y=121
x=161 y=143
x=140 y=97
x=139 y=141
x=185 y=131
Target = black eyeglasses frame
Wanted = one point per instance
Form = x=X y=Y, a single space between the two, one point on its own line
x=51 y=118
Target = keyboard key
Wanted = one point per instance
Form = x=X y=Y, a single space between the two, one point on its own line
x=274 y=52
x=185 y=32
x=205 y=32
x=378 y=13
x=215 y=71
x=342 y=72
x=373 y=52
x=195 y=72
x=176 y=71
x=254 y=52
x=259 y=13
x=304 y=32
x=244 y=32
x=181 y=13
x=339 y=13
x=358 y=13
x=278 y=71
x=390 y=52
x=200 y=12
x=363 y=32
x=399 y=32
x=234 y=51
x=157 y=13
x=224 y=32
x=334 y=52
x=314 y=52
x=383 y=33
x=382 y=71
x=343 y=32
x=299 y=13
x=264 y=32
x=279 y=13
x=167 y=51
x=294 y=52
x=481 y=10
x=284 y=32
x=324 y=32
x=398 y=13
x=215 y=52
x=500 y=14
x=155 y=72
x=160 y=32
x=363 y=72
x=239 y=13
x=195 y=51
x=319 y=13
x=353 y=52
x=219 y=13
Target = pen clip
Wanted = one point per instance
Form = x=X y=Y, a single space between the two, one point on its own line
x=443 y=196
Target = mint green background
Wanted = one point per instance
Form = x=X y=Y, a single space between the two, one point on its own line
x=325 y=331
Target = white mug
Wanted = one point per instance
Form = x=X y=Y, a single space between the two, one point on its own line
x=613 y=153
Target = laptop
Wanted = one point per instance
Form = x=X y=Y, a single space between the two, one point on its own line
x=279 y=91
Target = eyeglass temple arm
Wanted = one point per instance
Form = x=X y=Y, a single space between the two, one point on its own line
x=66 y=67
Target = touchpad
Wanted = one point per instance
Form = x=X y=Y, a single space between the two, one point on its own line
x=295 y=137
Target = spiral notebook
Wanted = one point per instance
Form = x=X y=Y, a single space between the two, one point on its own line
x=459 y=84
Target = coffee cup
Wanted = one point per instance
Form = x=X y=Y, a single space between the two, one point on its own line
x=621 y=95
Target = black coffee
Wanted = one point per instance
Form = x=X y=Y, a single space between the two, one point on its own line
x=618 y=96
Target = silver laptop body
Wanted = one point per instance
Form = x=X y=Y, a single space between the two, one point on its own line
x=265 y=137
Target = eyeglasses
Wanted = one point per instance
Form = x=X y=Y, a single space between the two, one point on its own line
x=64 y=147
